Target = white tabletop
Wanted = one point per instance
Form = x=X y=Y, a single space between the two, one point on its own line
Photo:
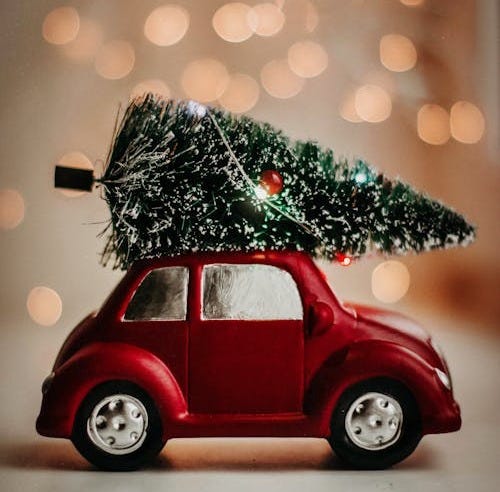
x=467 y=460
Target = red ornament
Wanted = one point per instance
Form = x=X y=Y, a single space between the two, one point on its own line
x=343 y=259
x=271 y=181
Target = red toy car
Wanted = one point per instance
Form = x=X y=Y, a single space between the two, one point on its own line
x=243 y=344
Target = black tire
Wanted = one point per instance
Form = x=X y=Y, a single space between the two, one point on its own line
x=151 y=436
x=396 y=448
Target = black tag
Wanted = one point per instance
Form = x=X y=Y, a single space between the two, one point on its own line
x=73 y=178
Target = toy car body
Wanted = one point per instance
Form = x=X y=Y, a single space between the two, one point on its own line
x=243 y=344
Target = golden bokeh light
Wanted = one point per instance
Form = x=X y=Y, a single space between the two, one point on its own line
x=307 y=59
x=347 y=109
x=312 y=17
x=372 y=103
x=241 y=94
x=166 y=25
x=115 y=60
x=76 y=160
x=61 y=25
x=397 y=53
x=156 y=86
x=268 y=19
x=466 y=122
x=11 y=209
x=390 y=281
x=205 y=79
x=44 y=305
x=412 y=3
x=233 y=22
x=87 y=42
x=279 y=81
x=433 y=124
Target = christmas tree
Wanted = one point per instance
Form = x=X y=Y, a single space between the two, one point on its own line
x=182 y=178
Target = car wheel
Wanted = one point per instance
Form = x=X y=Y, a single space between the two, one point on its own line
x=376 y=424
x=117 y=427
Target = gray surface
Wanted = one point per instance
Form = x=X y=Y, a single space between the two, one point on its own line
x=467 y=460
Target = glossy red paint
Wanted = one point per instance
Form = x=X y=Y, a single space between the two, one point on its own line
x=246 y=378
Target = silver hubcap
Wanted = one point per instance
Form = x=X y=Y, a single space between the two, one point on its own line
x=374 y=421
x=118 y=424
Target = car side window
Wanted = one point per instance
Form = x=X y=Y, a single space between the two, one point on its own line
x=162 y=295
x=249 y=292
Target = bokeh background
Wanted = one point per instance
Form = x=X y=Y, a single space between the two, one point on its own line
x=412 y=86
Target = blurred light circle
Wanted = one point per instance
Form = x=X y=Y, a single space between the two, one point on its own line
x=390 y=281
x=412 y=3
x=279 y=81
x=11 y=209
x=44 y=305
x=61 y=25
x=166 y=25
x=76 y=160
x=233 y=22
x=205 y=79
x=155 y=86
x=466 y=122
x=307 y=59
x=372 y=103
x=397 y=53
x=312 y=17
x=86 y=43
x=115 y=60
x=347 y=109
x=241 y=94
x=433 y=124
x=268 y=19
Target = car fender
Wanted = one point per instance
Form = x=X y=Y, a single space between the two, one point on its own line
x=102 y=362
x=379 y=359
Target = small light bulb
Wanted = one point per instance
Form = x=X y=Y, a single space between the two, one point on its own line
x=260 y=192
x=360 y=178
x=195 y=108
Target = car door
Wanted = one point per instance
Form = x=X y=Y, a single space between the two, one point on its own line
x=156 y=318
x=246 y=345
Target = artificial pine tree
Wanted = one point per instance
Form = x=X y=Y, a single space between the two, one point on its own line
x=182 y=178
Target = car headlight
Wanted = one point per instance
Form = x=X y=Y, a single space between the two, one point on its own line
x=47 y=382
x=443 y=377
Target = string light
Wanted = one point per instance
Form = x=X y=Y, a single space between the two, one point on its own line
x=279 y=81
x=44 y=305
x=233 y=22
x=343 y=260
x=204 y=80
x=433 y=124
x=61 y=25
x=87 y=42
x=166 y=25
x=115 y=60
x=11 y=209
x=466 y=122
x=78 y=160
x=267 y=19
x=397 y=53
x=372 y=103
x=156 y=86
x=241 y=94
x=307 y=59
x=390 y=281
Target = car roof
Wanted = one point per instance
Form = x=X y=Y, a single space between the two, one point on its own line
x=278 y=257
